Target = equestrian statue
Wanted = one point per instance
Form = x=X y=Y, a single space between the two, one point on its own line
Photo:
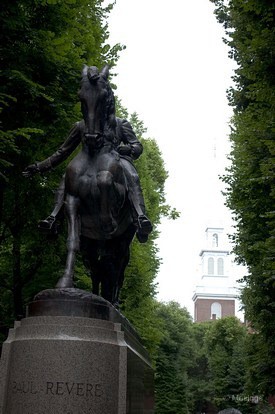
x=100 y=190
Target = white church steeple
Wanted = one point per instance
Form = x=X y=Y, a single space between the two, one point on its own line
x=215 y=293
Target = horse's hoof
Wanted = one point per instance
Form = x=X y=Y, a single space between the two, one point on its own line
x=65 y=282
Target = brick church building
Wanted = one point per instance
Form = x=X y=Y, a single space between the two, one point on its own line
x=216 y=293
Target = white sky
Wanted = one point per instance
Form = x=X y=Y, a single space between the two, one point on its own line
x=174 y=74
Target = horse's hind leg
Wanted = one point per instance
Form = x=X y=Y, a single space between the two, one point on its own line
x=108 y=273
x=72 y=204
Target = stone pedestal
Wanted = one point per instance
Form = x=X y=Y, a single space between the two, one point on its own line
x=74 y=353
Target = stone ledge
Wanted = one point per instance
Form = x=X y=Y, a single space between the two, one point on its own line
x=72 y=302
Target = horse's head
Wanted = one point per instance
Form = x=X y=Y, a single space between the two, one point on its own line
x=97 y=105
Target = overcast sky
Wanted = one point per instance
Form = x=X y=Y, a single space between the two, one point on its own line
x=174 y=73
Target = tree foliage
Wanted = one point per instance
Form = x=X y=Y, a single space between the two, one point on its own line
x=175 y=355
x=199 y=375
x=43 y=47
x=225 y=347
x=216 y=376
x=250 y=34
x=203 y=367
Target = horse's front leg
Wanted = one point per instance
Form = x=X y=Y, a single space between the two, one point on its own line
x=105 y=184
x=71 y=205
x=112 y=196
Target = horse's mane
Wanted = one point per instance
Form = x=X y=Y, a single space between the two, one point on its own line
x=91 y=74
x=110 y=109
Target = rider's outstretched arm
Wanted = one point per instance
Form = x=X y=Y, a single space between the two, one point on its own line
x=60 y=155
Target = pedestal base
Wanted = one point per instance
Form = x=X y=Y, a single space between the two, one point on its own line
x=74 y=354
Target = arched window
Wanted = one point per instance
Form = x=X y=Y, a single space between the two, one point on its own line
x=216 y=310
x=210 y=266
x=220 y=267
x=215 y=240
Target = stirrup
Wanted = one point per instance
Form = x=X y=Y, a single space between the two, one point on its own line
x=144 y=225
x=49 y=225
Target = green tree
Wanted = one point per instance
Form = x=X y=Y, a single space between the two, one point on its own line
x=225 y=347
x=173 y=360
x=43 y=46
x=250 y=180
x=199 y=375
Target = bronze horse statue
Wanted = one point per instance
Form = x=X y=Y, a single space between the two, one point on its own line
x=99 y=210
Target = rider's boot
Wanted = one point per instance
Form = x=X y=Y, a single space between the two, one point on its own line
x=144 y=228
x=135 y=196
x=144 y=225
x=51 y=224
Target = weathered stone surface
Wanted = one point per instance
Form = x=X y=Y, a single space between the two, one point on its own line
x=58 y=364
